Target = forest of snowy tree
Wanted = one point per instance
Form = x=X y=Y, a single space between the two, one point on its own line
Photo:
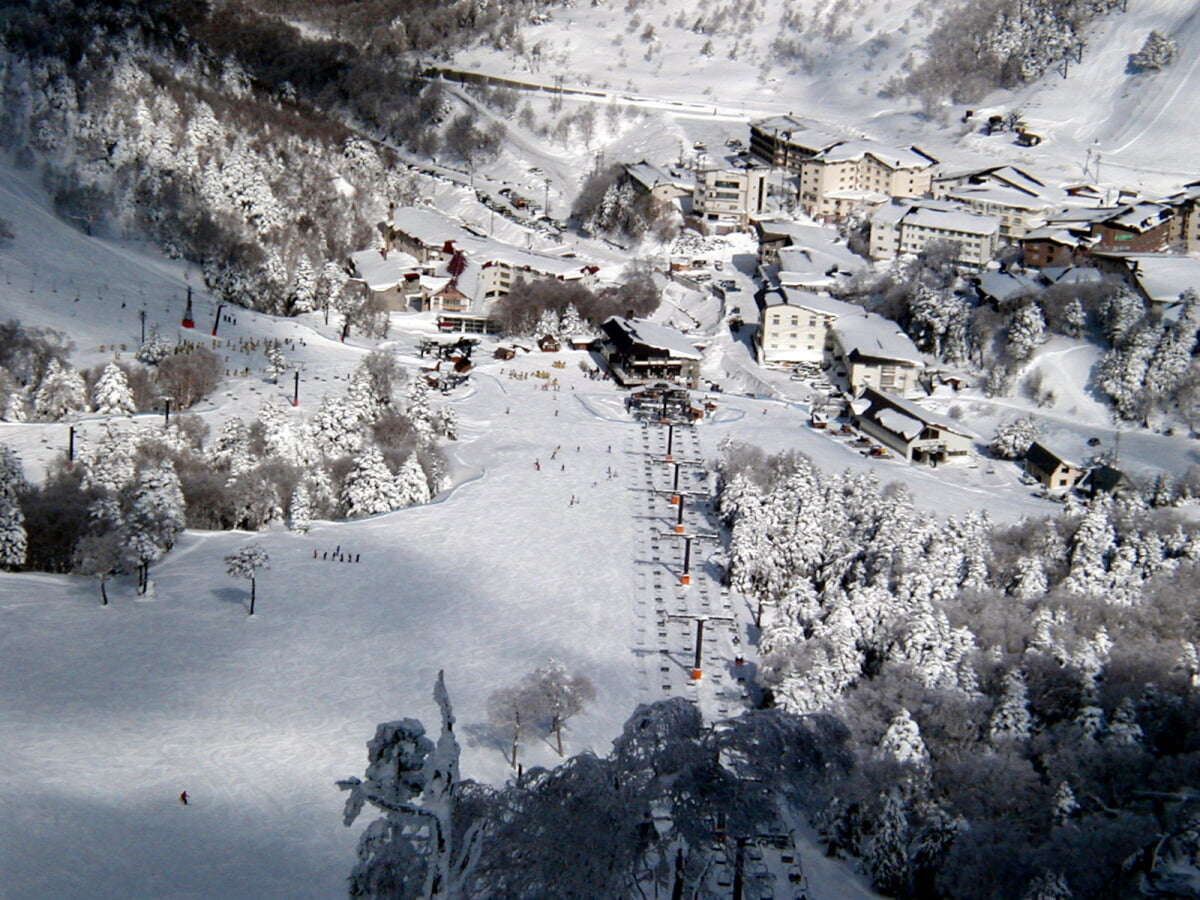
x=132 y=487
x=1021 y=699
x=226 y=134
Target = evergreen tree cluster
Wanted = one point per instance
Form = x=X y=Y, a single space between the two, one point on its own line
x=38 y=382
x=358 y=455
x=1150 y=368
x=227 y=134
x=651 y=818
x=980 y=47
x=986 y=673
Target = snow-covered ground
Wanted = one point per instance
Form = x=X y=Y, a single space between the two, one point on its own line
x=107 y=714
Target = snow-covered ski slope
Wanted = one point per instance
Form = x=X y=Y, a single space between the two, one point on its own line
x=1143 y=126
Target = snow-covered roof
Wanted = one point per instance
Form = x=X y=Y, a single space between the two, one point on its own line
x=1072 y=275
x=1163 y=277
x=1003 y=285
x=651 y=334
x=434 y=229
x=1001 y=195
x=865 y=334
x=903 y=416
x=815 y=263
x=821 y=303
x=798 y=132
x=651 y=176
x=899 y=423
x=1142 y=216
x=895 y=157
x=382 y=270
x=950 y=218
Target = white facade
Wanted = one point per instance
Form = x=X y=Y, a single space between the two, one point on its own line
x=797 y=327
x=726 y=198
x=852 y=174
x=907 y=228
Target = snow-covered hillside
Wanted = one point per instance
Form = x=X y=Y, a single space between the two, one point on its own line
x=707 y=70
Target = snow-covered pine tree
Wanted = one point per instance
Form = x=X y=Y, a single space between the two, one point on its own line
x=1065 y=804
x=411 y=485
x=154 y=518
x=1158 y=51
x=336 y=427
x=281 y=437
x=572 y=323
x=1013 y=438
x=1048 y=886
x=1090 y=551
x=1123 y=727
x=301 y=509
x=230 y=452
x=547 y=323
x=418 y=410
x=902 y=742
x=154 y=350
x=1074 y=318
x=14 y=543
x=245 y=563
x=370 y=488
x=1030 y=580
x=61 y=392
x=1026 y=332
x=1011 y=719
x=276 y=364
x=886 y=856
x=112 y=396
x=109 y=461
x=12 y=473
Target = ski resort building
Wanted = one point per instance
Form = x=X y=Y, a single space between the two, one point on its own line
x=796 y=326
x=642 y=352
x=392 y=275
x=1071 y=235
x=1020 y=201
x=860 y=348
x=482 y=269
x=660 y=183
x=786 y=141
x=727 y=196
x=910 y=430
x=1159 y=278
x=871 y=351
x=853 y=174
x=908 y=226
x=1050 y=469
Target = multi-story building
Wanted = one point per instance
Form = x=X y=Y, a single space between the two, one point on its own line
x=1186 y=204
x=726 y=197
x=853 y=174
x=1070 y=235
x=786 y=141
x=908 y=227
x=1020 y=201
x=479 y=268
x=860 y=348
x=796 y=326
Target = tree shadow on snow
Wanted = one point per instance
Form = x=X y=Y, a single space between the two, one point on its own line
x=237 y=596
